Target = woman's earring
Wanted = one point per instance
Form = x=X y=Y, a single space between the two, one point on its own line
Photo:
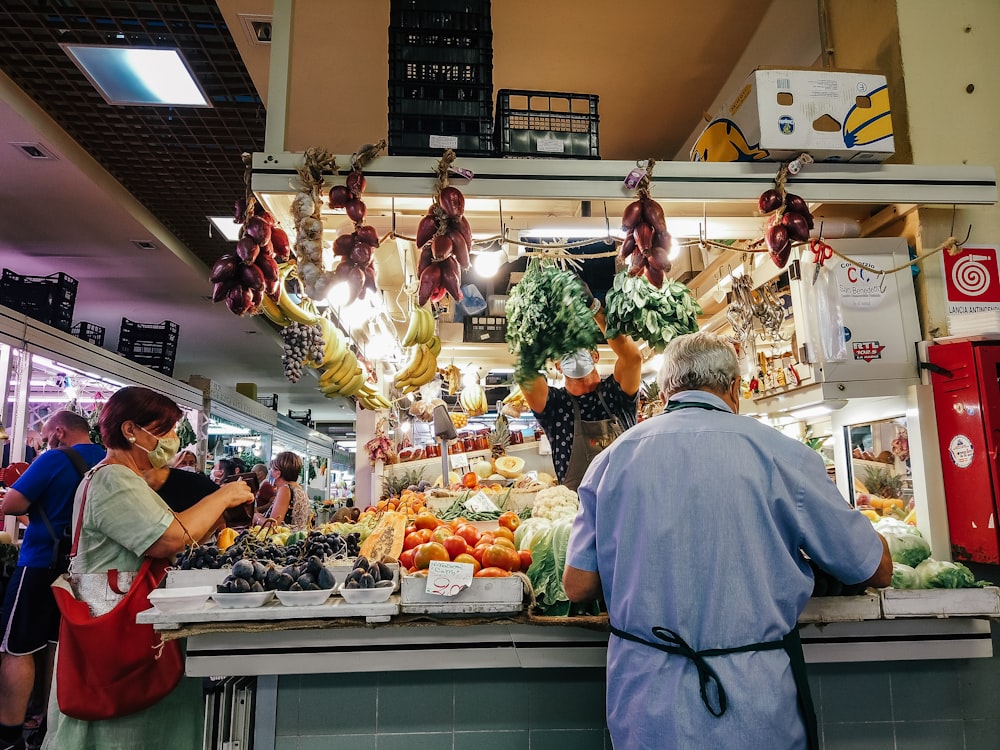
x=131 y=438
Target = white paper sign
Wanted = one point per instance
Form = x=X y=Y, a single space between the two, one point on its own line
x=480 y=502
x=448 y=578
x=550 y=146
x=443 y=141
x=459 y=461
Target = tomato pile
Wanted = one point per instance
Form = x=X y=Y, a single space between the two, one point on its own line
x=492 y=554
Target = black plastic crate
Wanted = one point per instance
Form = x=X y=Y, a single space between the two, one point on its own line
x=47 y=299
x=150 y=355
x=89 y=332
x=429 y=134
x=304 y=416
x=485 y=329
x=271 y=402
x=546 y=124
x=159 y=333
x=464 y=15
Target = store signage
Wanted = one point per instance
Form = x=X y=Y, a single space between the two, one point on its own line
x=972 y=280
x=448 y=578
x=867 y=350
x=860 y=287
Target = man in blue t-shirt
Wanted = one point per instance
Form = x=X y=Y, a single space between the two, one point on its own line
x=30 y=619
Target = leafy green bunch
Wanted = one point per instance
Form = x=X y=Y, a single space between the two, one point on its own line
x=547 y=318
x=636 y=308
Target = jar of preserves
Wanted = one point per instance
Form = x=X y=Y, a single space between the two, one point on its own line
x=516 y=437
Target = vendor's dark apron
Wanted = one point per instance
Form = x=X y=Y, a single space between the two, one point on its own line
x=672 y=643
x=589 y=439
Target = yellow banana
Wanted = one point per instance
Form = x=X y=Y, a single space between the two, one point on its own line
x=340 y=372
x=292 y=311
x=434 y=345
x=355 y=384
x=272 y=312
x=427 y=325
x=339 y=387
x=334 y=344
x=412 y=328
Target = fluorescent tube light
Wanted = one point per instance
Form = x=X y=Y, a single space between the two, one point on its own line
x=140 y=76
x=227 y=227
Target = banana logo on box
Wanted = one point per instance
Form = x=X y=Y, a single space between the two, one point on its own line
x=865 y=125
x=723 y=140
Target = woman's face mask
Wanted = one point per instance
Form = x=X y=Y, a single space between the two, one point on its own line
x=164 y=451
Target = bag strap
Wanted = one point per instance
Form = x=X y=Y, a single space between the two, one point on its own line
x=79 y=519
x=80 y=464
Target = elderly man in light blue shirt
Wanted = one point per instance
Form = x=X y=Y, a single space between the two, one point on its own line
x=692 y=526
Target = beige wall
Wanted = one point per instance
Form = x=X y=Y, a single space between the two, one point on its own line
x=947 y=47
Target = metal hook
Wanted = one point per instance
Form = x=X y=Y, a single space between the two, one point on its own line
x=967 y=236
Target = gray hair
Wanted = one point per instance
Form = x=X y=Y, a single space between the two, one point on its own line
x=698 y=361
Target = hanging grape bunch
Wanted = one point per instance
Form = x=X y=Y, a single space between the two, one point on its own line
x=791 y=222
x=302 y=343
x=445 y=240
x=243 y=278
x=647 y=243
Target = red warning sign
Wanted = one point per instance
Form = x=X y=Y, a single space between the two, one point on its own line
x=973 y=276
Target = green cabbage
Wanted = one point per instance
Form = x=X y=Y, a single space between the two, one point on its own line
x=547 y=541
x=941 y=574
x=906 y=544
x=904 y=577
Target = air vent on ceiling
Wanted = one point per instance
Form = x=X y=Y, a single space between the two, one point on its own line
x=34 y=150
x=257 y=28
x=144 y=244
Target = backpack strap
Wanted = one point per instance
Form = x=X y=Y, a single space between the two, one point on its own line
x=80 y=464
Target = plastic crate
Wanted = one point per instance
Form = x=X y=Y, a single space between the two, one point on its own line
x=149 y=355
x=304 y=416
x=160 y=333
x=546 y=124
x=89 y=332
x=47 y=299
x=271 y=402
x=485 y=329
x=429 y=134
x=449 y=15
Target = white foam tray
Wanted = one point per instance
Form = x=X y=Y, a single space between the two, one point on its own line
x=983 y=602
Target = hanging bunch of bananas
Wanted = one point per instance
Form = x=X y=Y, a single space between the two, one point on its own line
x=420 y=369
x=514 y=403
x=420 y=329
x=341 y=372
x=453 y=377
x=473 y=400
x=285 y=311
x=424 y=347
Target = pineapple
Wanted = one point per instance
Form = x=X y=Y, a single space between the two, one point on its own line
x=499 y=437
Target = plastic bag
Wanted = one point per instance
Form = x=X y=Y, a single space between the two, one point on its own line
x=824 y=315
x=904 y=577
x=473 y=302
x=941 y=574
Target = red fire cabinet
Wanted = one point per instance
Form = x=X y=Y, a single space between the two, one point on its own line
x=966 y=385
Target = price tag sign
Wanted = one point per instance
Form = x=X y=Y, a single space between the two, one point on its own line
x=459 y=461
x=480 y=502
x=448 y=578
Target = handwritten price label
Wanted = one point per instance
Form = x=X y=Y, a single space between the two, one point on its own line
x=448 y=578
x=480 y=503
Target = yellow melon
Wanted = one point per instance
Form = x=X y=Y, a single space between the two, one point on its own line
x=509 y=466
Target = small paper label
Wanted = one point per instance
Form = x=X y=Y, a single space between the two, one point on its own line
x=550 y=145
x=480 y=503
x=633 y=177
x=443 y=141
x=448 y=578
x=459 y=461
x=462 y=172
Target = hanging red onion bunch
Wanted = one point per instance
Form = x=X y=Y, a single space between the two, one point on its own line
x=243 y=277
x=791 y=223
x=356 y=250
x=647 y=242
x=445 y=239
